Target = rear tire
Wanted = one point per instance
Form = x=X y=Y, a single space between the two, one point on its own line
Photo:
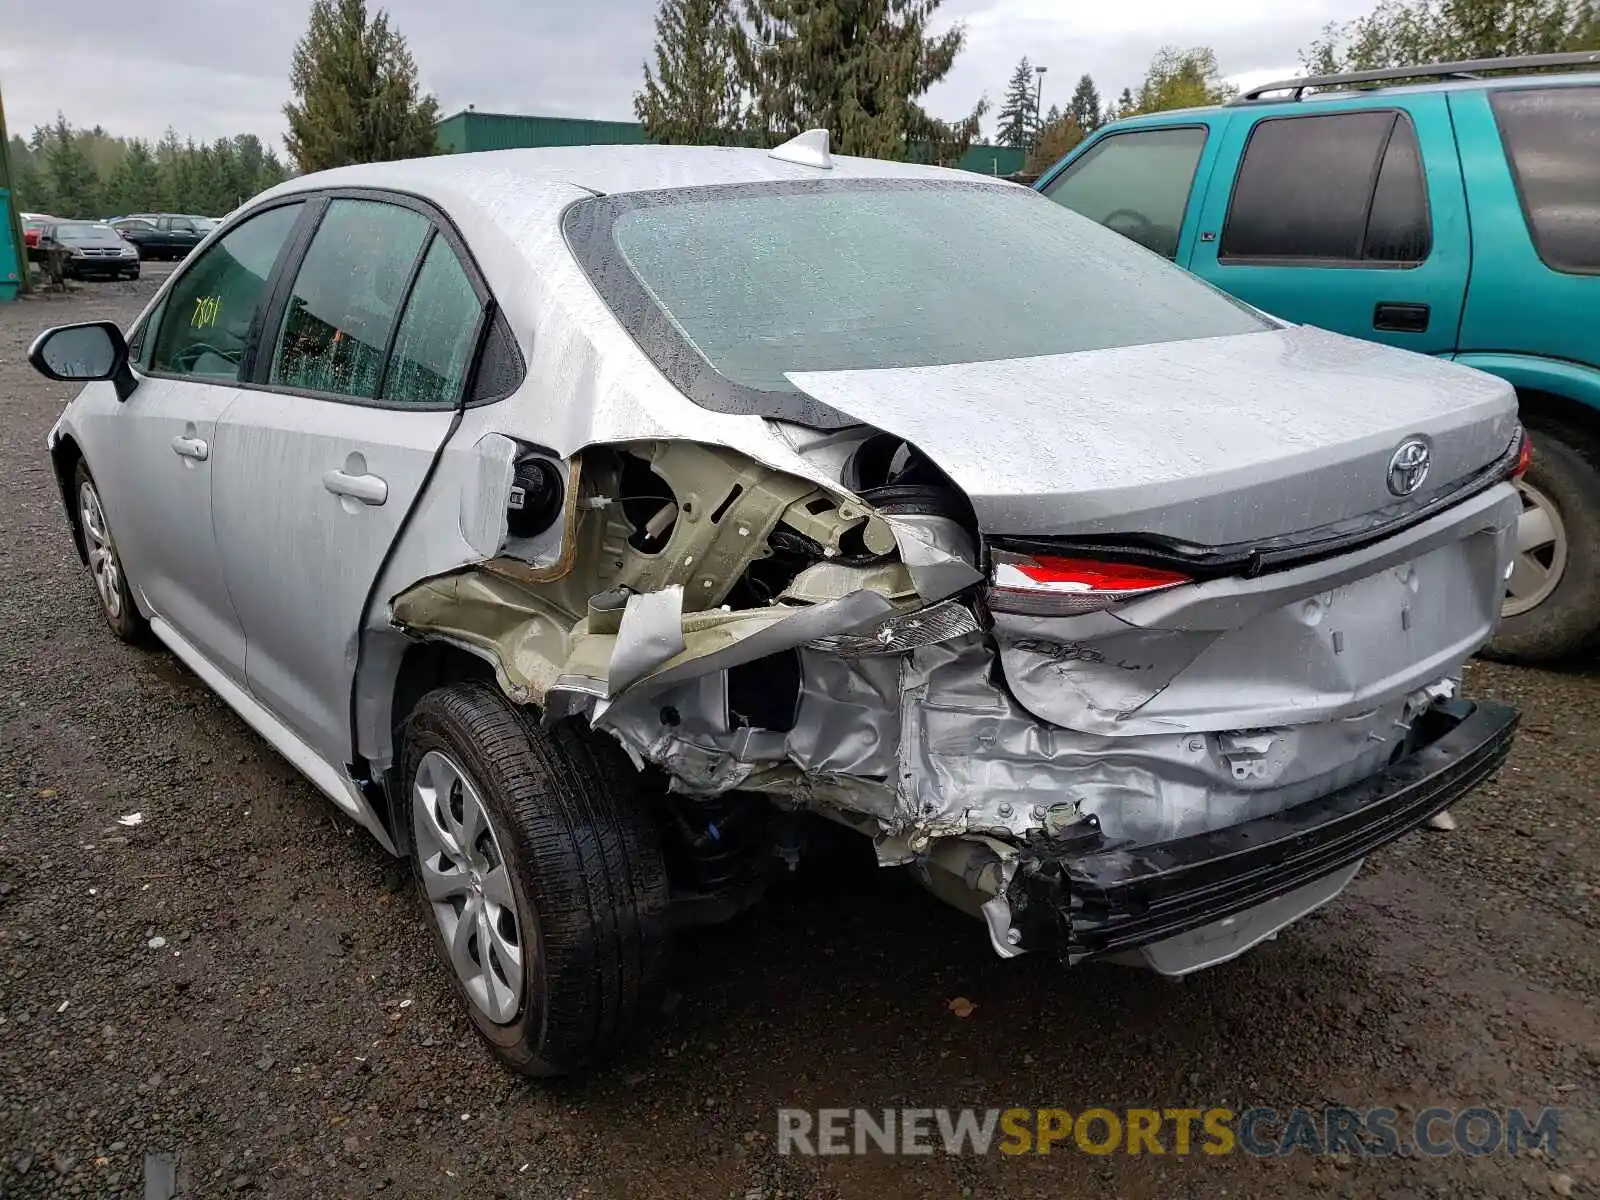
x=1565 y=621
x=565 y=878
x=105 y=565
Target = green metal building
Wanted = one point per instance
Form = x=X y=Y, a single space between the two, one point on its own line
x=471 y=130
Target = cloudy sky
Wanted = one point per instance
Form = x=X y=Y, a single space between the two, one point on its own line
x=214 y=67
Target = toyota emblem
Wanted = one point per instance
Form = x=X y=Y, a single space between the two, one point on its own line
x=1409 y=466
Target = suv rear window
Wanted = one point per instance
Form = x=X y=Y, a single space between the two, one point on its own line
x=1338 y=188
x=1553 y=138
x=759 y=280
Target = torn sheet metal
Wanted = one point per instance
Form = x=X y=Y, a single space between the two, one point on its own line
x=650 y=634
x=937 y=552
x=972 y=759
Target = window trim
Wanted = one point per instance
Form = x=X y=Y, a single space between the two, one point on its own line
x=1516 y=175
x=1188 y=196
x=1364 y=264
x=295 y=252
x=254 y=366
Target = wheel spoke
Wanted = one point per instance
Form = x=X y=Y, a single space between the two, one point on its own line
x=460 y=941
x=497 y=888
x=1527 y=577
x=473 y=823
x=443 y=884
x=430 y=804
x=502 y=993
x=1534 y=529
x=507 y=951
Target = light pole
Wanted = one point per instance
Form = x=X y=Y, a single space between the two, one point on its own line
x=1038 y=101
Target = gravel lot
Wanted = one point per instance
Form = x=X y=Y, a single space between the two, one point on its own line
x=293 y=1035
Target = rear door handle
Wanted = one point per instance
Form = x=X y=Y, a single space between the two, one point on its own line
x=191 y=447
x=1395 y=317
x=369 y=489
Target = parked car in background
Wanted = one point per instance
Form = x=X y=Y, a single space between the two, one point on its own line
x=1459 y=218
x=162 y=235
x=91 y=250
x=1126 y=618
x=34 y=224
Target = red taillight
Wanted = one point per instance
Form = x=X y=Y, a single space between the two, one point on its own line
x=1047 y=586
x=1524 y=457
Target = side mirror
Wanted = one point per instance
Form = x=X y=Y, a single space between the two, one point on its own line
x=83 y=354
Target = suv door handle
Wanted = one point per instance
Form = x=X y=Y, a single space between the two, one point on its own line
x=191 y=447
x=1396 y=317
x=369 y=489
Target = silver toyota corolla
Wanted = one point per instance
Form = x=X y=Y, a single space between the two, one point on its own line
x=582 y=521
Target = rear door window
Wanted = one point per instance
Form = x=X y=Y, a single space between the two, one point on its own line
x=434 y=342
x=1552 y=136
x=1137 y=183
x=347 y=297
x=1336 y=189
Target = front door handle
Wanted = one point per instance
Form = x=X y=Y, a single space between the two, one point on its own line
x=191 y=447
x=1396 y=317
x=369 y=489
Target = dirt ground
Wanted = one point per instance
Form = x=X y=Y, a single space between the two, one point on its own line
x=293 y=1036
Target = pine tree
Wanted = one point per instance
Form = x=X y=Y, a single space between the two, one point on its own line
x=1126 y=105
x=693 y=95
x=74 y=187
x=1085 y=105
x=1019 y=112
x=854 y=67
x=135 y=183
x=358 y=95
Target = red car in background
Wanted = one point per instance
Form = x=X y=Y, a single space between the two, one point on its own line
x=32 y=225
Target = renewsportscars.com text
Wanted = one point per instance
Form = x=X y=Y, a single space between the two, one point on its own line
x=1261 y=1132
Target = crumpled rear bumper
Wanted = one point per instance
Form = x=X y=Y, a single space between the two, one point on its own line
x=1092 y=899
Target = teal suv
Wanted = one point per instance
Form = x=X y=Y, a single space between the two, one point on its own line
x=1451 y=209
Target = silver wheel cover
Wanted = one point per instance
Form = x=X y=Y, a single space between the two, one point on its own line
x=468 y=886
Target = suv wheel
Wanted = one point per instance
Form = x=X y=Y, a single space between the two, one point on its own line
x=1552 y=606
x=110 y=581
x=539 y=866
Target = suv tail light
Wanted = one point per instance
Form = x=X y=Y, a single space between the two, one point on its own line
x=1524 y=457
x=1043 y=585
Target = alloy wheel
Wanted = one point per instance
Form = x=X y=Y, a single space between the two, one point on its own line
x=1541 y=555
x=468 y=885
x=103 y=562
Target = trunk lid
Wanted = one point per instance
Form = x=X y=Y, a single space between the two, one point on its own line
x=1212 y=442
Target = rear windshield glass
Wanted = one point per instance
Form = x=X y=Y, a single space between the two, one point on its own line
x=756 y=281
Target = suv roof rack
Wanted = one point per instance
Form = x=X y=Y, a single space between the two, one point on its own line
x=1466 y=69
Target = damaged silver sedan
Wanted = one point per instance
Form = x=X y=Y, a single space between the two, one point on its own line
x=583 y=521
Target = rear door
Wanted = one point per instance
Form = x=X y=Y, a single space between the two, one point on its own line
x=1352 y=219
x=355 y=390
x=1533 y=173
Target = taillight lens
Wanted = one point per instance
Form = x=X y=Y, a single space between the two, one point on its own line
x=1524 y=457
x=1044 y=585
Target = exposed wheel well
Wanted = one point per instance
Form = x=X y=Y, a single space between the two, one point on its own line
x=65 y=456
x=1546 y=408
x=426 y=666
x=429 y=665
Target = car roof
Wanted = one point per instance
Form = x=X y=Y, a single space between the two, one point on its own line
x=607 y=169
